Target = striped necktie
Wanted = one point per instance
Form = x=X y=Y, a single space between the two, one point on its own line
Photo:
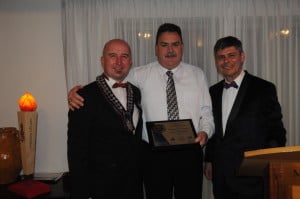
x=172 y=107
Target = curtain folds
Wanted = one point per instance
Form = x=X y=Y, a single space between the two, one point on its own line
x=269 y=30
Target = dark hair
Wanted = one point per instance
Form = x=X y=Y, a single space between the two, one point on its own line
x=168 y=27
x=228 y=42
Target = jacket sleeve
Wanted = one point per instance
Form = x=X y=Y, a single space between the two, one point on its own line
x=77 y=149
x=276 y=131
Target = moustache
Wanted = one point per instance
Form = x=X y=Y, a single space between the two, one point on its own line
x=170 y=54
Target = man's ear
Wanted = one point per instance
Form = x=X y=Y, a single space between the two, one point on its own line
x=243 y=57
x=156 y=49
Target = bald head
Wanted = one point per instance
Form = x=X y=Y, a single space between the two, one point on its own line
x=116 y=59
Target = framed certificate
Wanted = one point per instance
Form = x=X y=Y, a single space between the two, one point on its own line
x=171 y=134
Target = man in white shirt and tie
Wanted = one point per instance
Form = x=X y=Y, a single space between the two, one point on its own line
x=169 y=172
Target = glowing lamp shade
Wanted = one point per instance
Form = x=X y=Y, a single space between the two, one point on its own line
x=27 y=117
x=27 y=102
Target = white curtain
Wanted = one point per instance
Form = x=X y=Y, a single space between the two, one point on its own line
x=269 y=30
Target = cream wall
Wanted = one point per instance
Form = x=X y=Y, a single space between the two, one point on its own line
x=31 y=59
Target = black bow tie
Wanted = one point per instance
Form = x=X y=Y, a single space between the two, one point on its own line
x=231 y=84
x=119 y=84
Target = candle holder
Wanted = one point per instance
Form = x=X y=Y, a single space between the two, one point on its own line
x=28 y=125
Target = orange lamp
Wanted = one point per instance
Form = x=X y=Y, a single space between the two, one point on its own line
x=27 y=118
x=27 y=102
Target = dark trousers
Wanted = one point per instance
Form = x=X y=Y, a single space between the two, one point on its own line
x=178 y=172
x=228 y=185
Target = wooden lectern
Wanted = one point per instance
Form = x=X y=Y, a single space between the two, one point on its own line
x=280 y=168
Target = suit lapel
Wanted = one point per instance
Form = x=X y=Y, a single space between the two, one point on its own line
x=217 y=106
x=137 y=103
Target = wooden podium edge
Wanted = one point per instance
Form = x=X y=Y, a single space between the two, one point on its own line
x=269 y=151
x=255 y=162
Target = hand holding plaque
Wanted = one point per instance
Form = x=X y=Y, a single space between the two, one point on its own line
x=171 y=134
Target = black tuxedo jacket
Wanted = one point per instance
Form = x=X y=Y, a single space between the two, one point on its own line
x=104 y=158
x=255 y=122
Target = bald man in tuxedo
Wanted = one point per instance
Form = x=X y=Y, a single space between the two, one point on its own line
x=105 y=135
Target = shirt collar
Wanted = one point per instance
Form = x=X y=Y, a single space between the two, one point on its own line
x=239 y=78
x=110 y=81
x=163 y=70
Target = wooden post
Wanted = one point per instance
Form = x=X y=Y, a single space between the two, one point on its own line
x=27 y=128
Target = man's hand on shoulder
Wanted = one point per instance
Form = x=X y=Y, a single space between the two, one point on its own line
x=75 y=101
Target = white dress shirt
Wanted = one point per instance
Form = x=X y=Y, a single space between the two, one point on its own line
x=121 y=94
x=193 y=97
x=228 y=99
